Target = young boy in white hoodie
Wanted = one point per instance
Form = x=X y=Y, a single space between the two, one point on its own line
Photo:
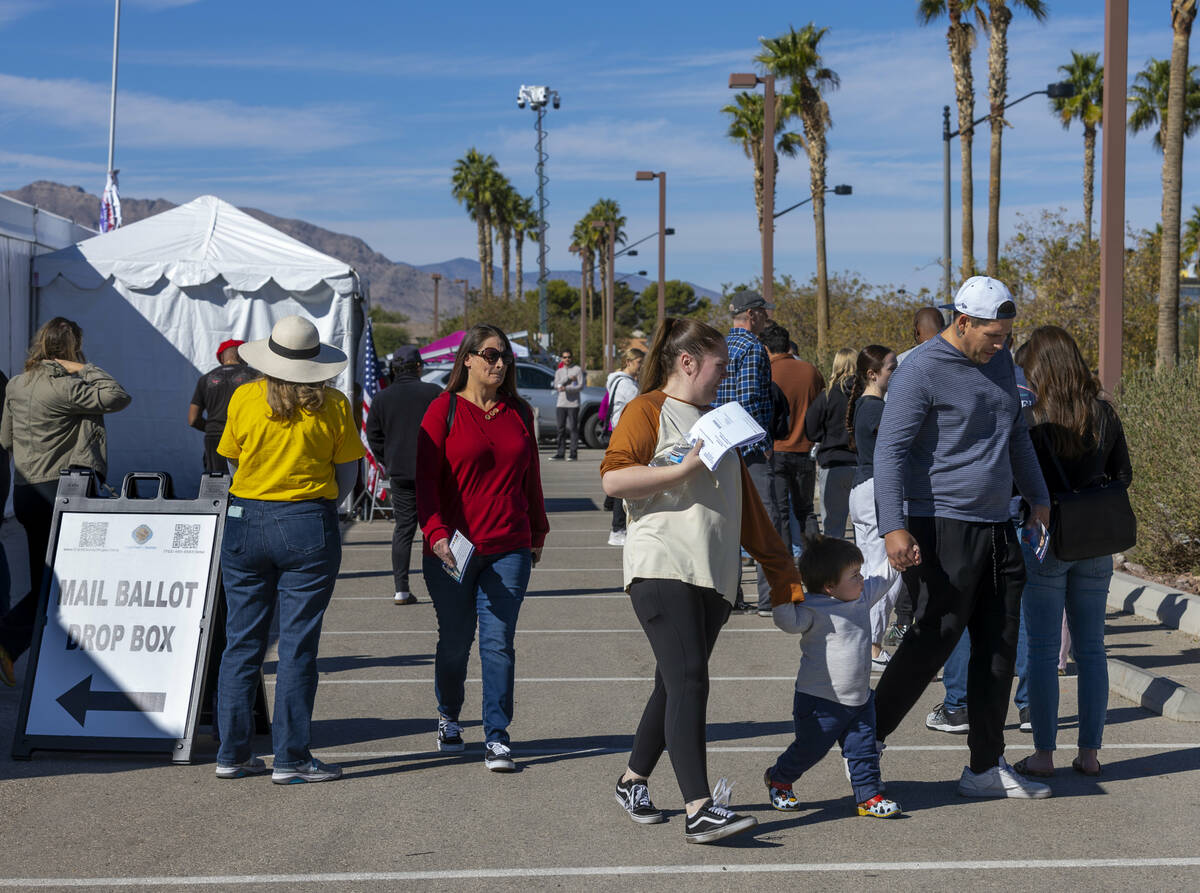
x=833 y=700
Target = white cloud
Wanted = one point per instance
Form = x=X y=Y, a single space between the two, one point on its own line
x=11 y=10
x=146 y=120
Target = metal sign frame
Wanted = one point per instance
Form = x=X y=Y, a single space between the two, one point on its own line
x=77 y=494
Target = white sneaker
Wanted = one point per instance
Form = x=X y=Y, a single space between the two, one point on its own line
x=1000 y=781
x=879 y=664
x=404 y=598
x=616 y=538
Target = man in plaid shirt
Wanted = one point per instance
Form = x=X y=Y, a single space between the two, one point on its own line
x=748 y=382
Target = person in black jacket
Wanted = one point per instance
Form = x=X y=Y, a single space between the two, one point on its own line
x=393 y=423
x=825 y=425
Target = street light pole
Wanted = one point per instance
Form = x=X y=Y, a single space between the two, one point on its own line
x=612 y=296
x=750 y=81
x=946 y=202
x=1112 y=193
x=1061 y=90
x=661 y=176
x=437 y=278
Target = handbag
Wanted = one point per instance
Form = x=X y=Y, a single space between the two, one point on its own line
x=1091 y=521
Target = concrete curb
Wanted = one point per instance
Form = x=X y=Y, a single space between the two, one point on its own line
x=1154 y=692
x=1133 y=595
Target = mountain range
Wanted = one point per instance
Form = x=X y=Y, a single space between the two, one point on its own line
x=394 y=285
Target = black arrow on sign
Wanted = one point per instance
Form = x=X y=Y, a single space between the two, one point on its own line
x=78 y=700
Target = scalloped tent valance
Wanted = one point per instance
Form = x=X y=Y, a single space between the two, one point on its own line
x=195 y=244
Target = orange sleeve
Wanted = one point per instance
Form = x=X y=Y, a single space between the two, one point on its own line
x=762 y=541
x=634 y=440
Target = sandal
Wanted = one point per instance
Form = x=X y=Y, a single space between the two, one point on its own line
x=1077 y=765
x=1025 y=769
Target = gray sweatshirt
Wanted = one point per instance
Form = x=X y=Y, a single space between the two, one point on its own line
x=570 y=378
x=953 y=440
x=835 y=663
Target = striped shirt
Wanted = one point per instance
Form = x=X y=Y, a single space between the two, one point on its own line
x=953 y=440
x=748 y=381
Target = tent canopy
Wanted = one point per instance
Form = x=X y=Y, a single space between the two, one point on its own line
x=444 y=349
x=156 y=297
x=192 y=245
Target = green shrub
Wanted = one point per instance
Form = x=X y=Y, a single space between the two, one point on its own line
x=1160 y=412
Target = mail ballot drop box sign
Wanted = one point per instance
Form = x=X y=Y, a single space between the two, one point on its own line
x=119 y=646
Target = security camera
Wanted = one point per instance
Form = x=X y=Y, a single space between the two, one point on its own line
x=520 y=100
x=555 y=100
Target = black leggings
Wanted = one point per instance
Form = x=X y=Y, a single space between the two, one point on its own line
x=682 y=622
x=33 y=504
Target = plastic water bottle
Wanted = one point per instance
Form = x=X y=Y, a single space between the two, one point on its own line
x=675 y=455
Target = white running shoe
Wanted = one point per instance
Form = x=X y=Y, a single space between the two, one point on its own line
x=616 y=538
x=1000 y=781
x=879 y=664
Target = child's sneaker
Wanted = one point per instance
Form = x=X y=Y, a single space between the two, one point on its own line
x=634 y=796
x=781 y=794
x=878 y=807
x=449 y=736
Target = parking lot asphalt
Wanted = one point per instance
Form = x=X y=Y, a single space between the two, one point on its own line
x=406 y=816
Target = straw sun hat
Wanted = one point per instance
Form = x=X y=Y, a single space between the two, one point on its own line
x=294 y=352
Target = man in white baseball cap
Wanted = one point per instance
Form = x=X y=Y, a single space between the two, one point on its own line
x=952 y=442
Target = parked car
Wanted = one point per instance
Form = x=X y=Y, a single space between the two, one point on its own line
x=536 y=384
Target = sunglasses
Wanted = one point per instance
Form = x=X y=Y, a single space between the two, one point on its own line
x=490 y=355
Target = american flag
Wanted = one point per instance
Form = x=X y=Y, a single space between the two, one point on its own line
x=110 y=204
x=372 y=384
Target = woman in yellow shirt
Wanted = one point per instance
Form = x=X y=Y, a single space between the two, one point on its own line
x=293 y=448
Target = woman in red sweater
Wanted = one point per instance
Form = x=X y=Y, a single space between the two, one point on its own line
x=479 y=477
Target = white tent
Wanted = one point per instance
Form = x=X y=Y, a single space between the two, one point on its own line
x=156 y=297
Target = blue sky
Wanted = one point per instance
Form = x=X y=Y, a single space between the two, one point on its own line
x=351 y=115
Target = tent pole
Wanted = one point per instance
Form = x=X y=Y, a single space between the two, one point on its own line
x=112 y=105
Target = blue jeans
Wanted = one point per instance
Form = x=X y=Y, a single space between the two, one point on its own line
x=290 y=552
x=954 y=672
x=821 y=722
x=1082 y=588
x=490 y=594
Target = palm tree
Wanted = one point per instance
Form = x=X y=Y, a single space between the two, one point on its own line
x=746 y=129
x=960 y=39
x=506 y=199
x=1086 y=74
x=999 y=17
x=586 y=240
x=1156 y=98
x=525 y=225
x=796 y=56
x=471 y=184
x=1190 y=246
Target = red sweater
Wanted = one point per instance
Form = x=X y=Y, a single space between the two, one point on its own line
x=481 y=478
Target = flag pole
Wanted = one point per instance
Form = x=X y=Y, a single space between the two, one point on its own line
x=112 y=106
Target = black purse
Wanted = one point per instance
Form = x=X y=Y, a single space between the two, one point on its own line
x=1091 y=521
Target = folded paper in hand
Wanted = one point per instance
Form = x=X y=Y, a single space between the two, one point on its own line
x=723 y=429
x=462 y=549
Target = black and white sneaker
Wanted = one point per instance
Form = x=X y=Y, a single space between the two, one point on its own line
x=449 y=736
x=634 y=796
x=712 y=823
x=497 y=756
x=1026 y=721
x=952 y=721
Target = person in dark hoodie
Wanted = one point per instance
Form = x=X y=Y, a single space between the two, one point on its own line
x=825 y=425
x=392 y=426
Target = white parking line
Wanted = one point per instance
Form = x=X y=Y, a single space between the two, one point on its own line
x=526 y=632
x=565 y=871
x=325 y=680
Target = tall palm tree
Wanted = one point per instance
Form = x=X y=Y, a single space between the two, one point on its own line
x=506 y=199
x=1157 y=98
x=525 y=225
x=471 y=184
x=998 y=20
x=587 y=241
x=960 y=40
x=746 y=129
x=1086 y=106
x=796 y=57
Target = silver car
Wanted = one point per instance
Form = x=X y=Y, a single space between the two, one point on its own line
x=535 y=383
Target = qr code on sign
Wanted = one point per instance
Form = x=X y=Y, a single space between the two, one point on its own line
x=187 y=536
x=93 y=534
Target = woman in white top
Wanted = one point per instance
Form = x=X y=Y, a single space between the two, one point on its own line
x=682 y=564
x=622 y=387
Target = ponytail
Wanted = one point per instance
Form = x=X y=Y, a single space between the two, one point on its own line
x=870 y=359
x=672 y=338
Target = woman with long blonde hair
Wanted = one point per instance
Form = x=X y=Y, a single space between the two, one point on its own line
x=294 y=449
x=825 y=425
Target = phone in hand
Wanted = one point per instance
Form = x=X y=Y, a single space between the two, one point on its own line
x=1038 y=538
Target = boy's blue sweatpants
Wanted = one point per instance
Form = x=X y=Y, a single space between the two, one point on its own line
x=821 y=722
